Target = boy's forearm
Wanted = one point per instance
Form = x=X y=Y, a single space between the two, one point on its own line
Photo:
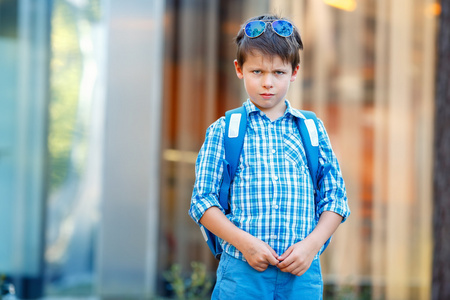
x=327 y=225
x=218 y=223
x=257 y=253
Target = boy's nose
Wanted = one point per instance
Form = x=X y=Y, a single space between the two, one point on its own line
x=267 y=81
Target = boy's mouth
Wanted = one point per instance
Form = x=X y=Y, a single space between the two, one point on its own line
x=266 y=95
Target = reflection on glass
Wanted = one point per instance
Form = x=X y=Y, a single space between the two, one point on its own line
x=73 y=143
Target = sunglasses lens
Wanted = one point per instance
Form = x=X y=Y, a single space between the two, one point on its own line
x=283 y=28
x=254 y=28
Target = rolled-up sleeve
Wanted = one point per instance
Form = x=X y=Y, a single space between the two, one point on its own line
x=208 y=171
x=333 y=196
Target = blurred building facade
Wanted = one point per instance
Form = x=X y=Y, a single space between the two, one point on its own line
x=104 y=105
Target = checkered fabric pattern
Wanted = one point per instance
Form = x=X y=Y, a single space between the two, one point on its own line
x=272 y=195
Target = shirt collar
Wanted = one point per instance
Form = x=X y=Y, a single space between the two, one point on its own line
x=251 y=108
x=294 y=112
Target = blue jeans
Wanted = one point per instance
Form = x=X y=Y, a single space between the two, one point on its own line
x=236 y=279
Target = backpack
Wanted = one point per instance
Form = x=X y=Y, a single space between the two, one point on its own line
x=235 y=127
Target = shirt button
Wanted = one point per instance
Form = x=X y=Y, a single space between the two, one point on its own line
x=275 y=206
x=274 y=237
x=275 y=177
x=273 y=150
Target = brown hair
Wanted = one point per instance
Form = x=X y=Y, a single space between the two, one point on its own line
x=269 y=43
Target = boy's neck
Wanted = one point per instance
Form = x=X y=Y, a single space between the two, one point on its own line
x=274 y=113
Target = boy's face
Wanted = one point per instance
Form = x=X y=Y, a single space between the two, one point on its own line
x=266 y=80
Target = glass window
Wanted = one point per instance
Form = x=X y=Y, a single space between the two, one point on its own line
x=24 y=33
x=74 y=144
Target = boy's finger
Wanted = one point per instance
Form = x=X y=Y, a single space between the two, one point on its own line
x=285 y=254
x=273 y=253
x=273 y=261
x=284 y=264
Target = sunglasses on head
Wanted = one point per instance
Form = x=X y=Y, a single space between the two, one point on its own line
x=254 y=29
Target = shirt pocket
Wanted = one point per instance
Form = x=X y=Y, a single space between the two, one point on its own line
x=294 y=153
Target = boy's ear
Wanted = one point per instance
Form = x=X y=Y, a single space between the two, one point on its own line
x=295 y=73
x=238 y=68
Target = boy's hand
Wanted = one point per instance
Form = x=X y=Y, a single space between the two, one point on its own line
x=297 y=259
x=259 y=254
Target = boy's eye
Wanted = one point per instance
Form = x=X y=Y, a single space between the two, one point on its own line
x=279 y=72
x=256 y=72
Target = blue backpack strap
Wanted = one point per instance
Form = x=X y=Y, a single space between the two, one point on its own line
x=235 y=127
x=310 y=138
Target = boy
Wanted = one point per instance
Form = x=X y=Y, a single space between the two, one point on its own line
x=275 y=232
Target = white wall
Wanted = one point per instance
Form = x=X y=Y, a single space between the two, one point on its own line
x=129 y=226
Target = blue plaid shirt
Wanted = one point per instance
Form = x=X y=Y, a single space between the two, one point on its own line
x=272 y=195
